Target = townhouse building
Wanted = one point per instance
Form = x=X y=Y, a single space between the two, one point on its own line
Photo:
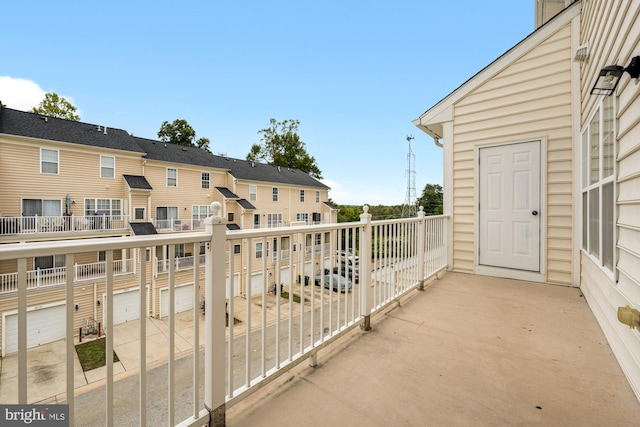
x=63 y=180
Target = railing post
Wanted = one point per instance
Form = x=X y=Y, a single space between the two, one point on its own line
x=214 y=318
x=421 y=246
x=366 y=296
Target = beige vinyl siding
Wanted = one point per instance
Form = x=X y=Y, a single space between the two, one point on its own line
x=530 y=99
x=79 y=174
x=611 y=29
x=189 y=190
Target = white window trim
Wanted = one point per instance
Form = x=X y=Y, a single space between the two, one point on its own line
x=301 y=196
x=317 y=196
x=144 y=213
x=167 y=178
x=253 y=193
x=202 y=181
x=598 y=260
x=57 y=161
x=104 y=167
x=275 y=194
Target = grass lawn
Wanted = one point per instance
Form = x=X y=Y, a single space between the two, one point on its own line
x=285 y=295
x=92 y=354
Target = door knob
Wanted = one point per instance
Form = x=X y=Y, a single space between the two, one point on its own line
x=534 y=213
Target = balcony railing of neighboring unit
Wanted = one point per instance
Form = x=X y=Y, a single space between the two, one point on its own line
x=12 y=225
x=180 y=264
x=176 y=225
x=394 y=257
x=44 y=277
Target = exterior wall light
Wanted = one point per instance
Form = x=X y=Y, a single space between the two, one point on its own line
x=609 y=77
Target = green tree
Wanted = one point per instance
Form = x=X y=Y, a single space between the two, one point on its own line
x=281 y=146
x=180 y=132
x=431 y=199
x=349 y=213
x=56 y=106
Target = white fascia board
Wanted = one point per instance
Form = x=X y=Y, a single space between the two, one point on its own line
x=443 y=110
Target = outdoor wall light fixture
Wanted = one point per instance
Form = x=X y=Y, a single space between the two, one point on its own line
x=98 y=303
x=609 y=77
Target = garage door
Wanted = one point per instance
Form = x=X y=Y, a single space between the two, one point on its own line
x=44 y=325
x=183 y=300
x=126 y=306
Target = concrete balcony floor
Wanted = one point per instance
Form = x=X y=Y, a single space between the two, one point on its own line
x=469 y=350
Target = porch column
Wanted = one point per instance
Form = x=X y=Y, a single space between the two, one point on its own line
x=214 y=317
x=420 y=234
x=366 y=296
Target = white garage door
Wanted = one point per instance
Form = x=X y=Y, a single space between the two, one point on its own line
x=44 y=325
x=183 y=300
x=126 y=306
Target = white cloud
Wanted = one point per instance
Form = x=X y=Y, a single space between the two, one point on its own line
x=20 y=94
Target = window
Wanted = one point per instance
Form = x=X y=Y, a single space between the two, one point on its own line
x=318 y=237
x=109 y=207
x=41 y=207
x=107 y=167
x=230 y=216
x=102 y=256
x=172 y=177
x=253 y=193
x=317 y=197
x=258 y=250
x=49 y=161
x=236 y=249
x=256 y=220
x=46 y=262
x=139 y=213
x=274 y=220
x=205 y=180
x=165 y=216
x=302 y=217
x=302 y=195
x=598 y=184
x=180 y=250
x=316 y=218
x=200 y=212
x=275 y=194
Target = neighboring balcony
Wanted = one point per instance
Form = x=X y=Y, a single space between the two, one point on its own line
x=71 y=224
x=42 y=278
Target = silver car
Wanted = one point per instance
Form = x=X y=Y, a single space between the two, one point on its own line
x=340 y=283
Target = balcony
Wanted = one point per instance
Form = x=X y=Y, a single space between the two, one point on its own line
x=26 y=226
x=467 y=350
x=45 y=277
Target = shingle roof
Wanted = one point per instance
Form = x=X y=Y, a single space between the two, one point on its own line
x=15 y=122
x=137 y=182
x=246 y=205
x=174 y=153
x=244 y=169
x=233 y=226
x=226 y=193
x=143 y=228
x=20 y=123
x=332 y=206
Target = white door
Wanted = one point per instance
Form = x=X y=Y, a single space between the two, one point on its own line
x=510 y=206
x=126 y=306
x=44 y=325
x=183 y=300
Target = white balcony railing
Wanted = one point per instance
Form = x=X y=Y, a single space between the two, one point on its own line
x=45 y=277
x=179 y=263
x=17 y=225
x=177 y=225
x=395 y=257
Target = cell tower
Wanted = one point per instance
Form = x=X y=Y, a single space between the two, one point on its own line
x=409 y=207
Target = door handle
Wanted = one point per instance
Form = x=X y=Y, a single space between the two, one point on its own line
x=534 y=213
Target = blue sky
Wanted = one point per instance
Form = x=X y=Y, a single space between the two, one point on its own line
x=355 y=73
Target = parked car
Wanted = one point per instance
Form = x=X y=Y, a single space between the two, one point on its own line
x=346 y=256
x=340 y=283
x=348 y=272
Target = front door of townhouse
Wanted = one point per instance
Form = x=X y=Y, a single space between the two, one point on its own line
x=509 y=211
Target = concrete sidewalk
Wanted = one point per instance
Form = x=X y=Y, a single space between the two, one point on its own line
x=470 y=350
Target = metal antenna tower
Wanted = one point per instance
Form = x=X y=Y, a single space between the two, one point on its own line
x=409 y=207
